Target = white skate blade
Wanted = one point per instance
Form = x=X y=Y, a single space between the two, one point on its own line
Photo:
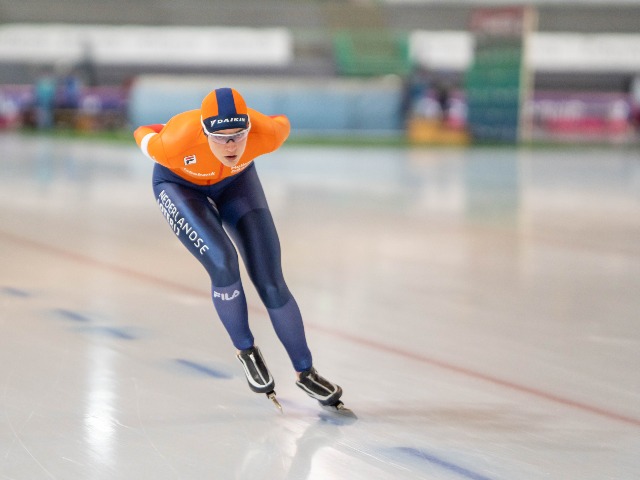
x=272 y=396
x=339 y=409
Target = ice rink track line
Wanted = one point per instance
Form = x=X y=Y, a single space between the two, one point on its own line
x=480 y=376
x=446 y=465
x=88 y=260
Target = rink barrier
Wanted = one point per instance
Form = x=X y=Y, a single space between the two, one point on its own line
x=327 y=105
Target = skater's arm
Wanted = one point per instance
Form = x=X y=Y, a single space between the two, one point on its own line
x=272 y=129
x=281 y=129
x=148 y=139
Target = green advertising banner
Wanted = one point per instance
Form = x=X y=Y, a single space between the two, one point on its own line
x=498 y=82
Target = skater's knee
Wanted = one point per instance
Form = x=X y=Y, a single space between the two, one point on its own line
x=225 y=271
x=274 y=294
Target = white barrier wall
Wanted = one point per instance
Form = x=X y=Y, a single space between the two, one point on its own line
x=141 y=45
x=274 y=47
x=550 y=52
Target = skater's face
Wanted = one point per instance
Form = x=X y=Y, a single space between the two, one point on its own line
x=228 y=145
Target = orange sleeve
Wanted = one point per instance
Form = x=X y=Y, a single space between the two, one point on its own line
x=281 y=128
x=272 y=129
x=150 y=142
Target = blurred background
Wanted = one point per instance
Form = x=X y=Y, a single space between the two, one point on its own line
x=419 y=71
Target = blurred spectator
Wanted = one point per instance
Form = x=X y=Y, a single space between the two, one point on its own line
x=9 y=112
x=68 y=100
x=416 y=87
x=45 y=96
x=443 y=96
x=634 y=100
x=70 y=92
x=86 y=67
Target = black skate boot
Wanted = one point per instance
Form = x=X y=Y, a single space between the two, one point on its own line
x=258 y=376
x=319 y=388
x=255 y=368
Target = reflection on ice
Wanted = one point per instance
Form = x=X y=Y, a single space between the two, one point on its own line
x=100 y=425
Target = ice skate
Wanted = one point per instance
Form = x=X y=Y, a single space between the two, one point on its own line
x=339 y=409
x=272 y=396
x=258 y=376
x=322 y=390
x=318 y=387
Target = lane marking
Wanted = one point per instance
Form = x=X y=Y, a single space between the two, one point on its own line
x=452 y=467
x=202 y=369
x=479 y=375
x=71 y=315
x=14 y=292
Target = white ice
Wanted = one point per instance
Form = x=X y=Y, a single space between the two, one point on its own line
x=480 y=308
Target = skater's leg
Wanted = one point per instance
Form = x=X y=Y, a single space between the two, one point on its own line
x=258 y=243
x=247 y=217
x=198 y=226
x=231 y=306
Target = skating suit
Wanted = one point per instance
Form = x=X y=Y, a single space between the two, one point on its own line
x=182 y=146
x=198 y=195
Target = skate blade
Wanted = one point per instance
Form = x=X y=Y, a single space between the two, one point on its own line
x=272 y=396
x=340 y=409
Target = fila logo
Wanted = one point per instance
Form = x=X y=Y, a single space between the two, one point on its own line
x=189 y=159
x=226 y=296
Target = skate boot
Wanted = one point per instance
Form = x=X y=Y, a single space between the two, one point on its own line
x=258 y=375
x=255 y=368
x=319 y=388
